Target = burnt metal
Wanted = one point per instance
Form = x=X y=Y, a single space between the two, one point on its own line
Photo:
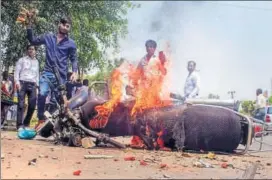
x=195 y=127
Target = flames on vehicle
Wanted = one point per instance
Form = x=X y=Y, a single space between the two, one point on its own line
x=149 y=90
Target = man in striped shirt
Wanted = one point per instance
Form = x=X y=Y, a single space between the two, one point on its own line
x=26 y=79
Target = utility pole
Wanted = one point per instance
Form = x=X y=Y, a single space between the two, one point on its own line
x=231 y=94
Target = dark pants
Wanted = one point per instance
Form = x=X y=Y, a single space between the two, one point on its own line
x=29 y=89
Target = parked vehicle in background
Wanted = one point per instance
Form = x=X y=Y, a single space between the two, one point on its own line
x=263 y=116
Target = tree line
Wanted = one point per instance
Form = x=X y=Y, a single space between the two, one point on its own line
x=97 y=26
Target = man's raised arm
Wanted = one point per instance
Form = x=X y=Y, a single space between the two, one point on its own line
x=35 y=40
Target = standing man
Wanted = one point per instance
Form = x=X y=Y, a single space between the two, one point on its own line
x=143 y=69
x=26 y=80
x=59 y=48
x=261 y=100
x=191 y=87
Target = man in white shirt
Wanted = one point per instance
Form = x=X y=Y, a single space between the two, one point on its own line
x=261 y=100
x=191 y=88
x=26 y=78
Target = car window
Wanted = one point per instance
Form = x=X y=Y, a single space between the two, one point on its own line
x=269 y=110
x=262 y=111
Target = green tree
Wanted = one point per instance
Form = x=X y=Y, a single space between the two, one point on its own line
x=97 y=25
x=270 y=100
x=248 y=107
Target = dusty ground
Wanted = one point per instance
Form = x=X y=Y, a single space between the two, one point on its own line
x=59 y=162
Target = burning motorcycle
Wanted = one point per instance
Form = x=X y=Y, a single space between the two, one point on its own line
x=63 y=121
x=172 y=124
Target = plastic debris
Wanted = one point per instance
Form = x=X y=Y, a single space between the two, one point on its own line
x=129 y=158
x=202 y=164
x=143 y=163
x=76 y=173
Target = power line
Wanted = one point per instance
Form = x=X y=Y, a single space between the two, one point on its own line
x=241 y=6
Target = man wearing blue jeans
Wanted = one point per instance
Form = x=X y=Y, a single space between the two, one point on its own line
x=59 y=47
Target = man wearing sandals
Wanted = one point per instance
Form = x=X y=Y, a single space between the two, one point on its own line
x=59 y=47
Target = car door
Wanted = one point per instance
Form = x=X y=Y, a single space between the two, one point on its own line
x=259 y=114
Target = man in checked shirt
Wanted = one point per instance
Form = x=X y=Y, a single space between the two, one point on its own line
x=26 y=78
x=191 y=87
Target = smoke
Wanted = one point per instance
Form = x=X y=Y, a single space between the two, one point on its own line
x=195 y=31
x=190 y=38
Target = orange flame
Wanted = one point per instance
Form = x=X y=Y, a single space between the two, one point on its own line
x=101 y=119
x=148 y=92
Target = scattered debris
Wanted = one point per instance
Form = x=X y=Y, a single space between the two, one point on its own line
x=224 y=165
x=268 y=164
x=87 y=143
x=163 y=165
x=97 y=157
x=210 y=155
x=54 y=157
x=41 y=156
x=186 y=155
x=202 y=164
x=143 y=163
x=76 y=173
x=32 y=162
x=129 y=158
x=116 y=159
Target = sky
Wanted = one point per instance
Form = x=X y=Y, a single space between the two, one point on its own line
x=231 y=42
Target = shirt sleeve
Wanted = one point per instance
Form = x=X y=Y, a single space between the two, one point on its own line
x=195 y=91
x=18 y=69
x=35 y=40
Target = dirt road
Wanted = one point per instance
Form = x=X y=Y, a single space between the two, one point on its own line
x=59 y=162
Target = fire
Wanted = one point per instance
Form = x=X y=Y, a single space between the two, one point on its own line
x=148 y=92
x=103 y=111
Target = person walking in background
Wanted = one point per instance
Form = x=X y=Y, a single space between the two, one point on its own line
x=192 y=87
x=26 y=80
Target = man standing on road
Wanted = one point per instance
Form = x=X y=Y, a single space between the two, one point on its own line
x=26 y=78
x=261 y=100
x=59 y=47
x=191 y=87
x=143 y=69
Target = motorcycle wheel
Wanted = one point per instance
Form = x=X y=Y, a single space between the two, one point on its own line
x=74 y=140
